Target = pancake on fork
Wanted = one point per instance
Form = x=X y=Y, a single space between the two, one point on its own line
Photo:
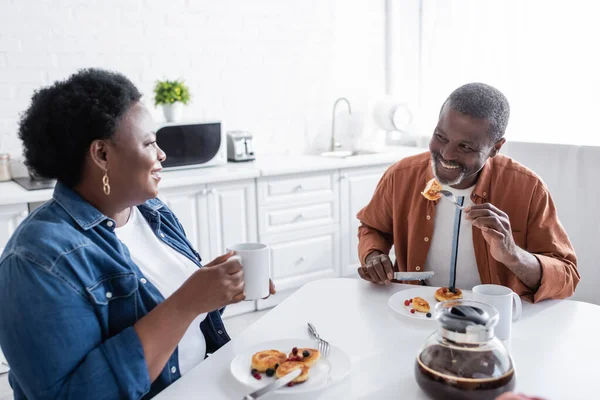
x=432 y=190
x=264 y=360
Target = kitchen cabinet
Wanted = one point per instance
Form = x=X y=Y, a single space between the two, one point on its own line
x=298 y=217
x=231 y=215
x=357 y=186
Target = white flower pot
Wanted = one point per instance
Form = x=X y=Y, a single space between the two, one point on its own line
x=173 y=111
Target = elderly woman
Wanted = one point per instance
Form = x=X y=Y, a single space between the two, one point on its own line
x=101 y=294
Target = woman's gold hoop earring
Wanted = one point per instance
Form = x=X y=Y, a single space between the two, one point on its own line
x=105 y=184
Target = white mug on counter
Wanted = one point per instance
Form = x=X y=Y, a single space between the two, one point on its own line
x=502 y=298
x=256 y=264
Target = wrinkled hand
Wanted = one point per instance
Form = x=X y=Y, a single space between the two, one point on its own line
x=515 y=396
x=495 y=228
x=216 y=285
x=377 y=269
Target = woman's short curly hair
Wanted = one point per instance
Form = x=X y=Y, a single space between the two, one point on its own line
x=64 y=119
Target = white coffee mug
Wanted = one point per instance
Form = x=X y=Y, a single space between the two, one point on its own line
x=501 y=298
x=256 y=263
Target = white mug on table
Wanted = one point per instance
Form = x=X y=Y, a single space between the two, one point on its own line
x=256 y=264
x=502 y=298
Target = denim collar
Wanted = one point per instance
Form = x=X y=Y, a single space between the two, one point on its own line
x=86 y=215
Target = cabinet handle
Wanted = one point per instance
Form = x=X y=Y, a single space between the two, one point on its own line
x=299 y=187
x=300 y=260
x=204 y=192
x=343 y=177
x=212 y=191
x=298 y=217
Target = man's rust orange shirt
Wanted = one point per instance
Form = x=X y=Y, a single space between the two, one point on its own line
x=399 y=215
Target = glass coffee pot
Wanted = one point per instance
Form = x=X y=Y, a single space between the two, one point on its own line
x=463 y=359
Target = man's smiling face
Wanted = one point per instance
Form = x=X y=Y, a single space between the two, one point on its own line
x=460 y=147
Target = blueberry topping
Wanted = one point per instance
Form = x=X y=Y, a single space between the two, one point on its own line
x=276 y=366
x=254 y=371
x=428 y=315
x=270 y=372
x=305 y=353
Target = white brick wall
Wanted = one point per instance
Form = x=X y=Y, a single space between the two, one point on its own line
x=273 y=67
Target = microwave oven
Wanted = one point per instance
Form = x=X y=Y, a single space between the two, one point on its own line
x=192 y=144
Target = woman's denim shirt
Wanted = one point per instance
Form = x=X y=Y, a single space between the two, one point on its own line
x=69 y=297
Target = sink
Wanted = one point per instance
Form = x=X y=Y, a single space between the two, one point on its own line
x=347 y=153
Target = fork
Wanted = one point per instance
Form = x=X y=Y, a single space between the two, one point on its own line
x=447 y=194
x=322 y=345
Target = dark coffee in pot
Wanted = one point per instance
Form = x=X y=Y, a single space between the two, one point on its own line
x=447 y=373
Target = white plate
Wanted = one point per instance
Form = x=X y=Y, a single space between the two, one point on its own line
x=396 y=301
x=325 y=372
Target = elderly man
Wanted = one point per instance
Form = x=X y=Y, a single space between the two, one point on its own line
x=510 y=232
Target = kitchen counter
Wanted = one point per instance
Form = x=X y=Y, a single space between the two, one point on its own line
x=284 y=164
x=267 y=165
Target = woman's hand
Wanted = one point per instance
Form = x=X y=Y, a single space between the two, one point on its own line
x=215 y=285
x=272 y=290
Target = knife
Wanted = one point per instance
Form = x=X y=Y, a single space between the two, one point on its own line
x=413 y=276
x=284 y=380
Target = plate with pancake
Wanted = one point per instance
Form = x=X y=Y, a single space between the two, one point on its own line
x=421 y=300
x=273 y=359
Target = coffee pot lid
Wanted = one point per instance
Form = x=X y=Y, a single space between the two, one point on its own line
x=466 y=321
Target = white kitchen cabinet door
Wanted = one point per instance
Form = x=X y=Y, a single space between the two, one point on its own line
x=301 y=257
x=231 y=214
x=190 y=206
x=232 y=219
x=10 y=217
x=356 y=190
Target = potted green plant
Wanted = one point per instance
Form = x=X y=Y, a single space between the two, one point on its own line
x=172 y=95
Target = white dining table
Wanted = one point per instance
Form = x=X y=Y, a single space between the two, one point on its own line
x=555 y=346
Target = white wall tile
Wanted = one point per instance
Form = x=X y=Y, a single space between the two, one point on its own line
x=273 y=67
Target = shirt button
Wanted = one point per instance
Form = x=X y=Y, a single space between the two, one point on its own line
x=162 y=235
x=428 y=217
x=220 y=332
x=173 y=370
x=484 y=194
x=143 y=280
x=108 y=295
x=417 y=268
x=109 y=224
x=426 y=239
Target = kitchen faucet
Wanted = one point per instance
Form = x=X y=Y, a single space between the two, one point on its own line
x=334 y=143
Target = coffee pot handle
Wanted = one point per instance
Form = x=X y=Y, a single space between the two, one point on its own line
x=518 y=307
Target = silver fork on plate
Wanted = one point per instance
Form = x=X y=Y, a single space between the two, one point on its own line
x=447 y=194
x=322 y=345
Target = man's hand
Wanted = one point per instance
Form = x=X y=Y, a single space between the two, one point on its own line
x=495 y=228
x=377 y=269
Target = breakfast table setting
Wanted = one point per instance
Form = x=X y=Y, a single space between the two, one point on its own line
x=374 y=340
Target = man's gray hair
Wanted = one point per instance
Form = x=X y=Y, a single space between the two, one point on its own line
x=479 y=100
